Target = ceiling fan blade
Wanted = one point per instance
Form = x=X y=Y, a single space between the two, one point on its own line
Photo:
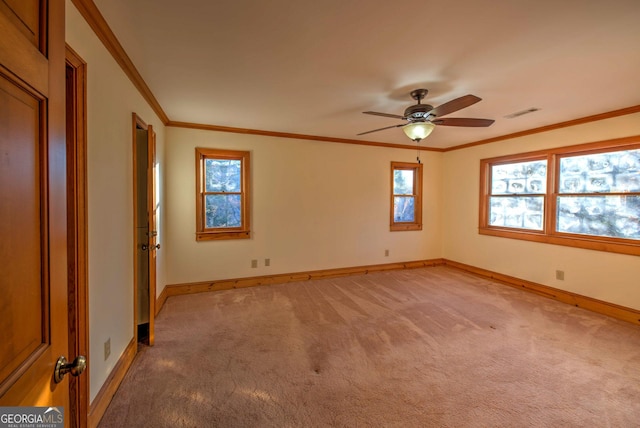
x=375 y=113
x=462 y=121
x=382 y=129
x=455 y=105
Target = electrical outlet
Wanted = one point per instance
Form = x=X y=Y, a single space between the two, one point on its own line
x=267 y=262
x=386 y=253
x=560 y=275
x=107 y=349
x=254 y=263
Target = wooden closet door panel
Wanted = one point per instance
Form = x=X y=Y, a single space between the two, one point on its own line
x=21 y=247
x=25 y=16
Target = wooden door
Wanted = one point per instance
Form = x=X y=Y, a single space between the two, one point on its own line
x=154 y=245
x=152 y=210
x=33 y=250
x=146 y=238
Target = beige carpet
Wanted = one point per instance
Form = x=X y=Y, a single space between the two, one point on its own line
x=431 y=347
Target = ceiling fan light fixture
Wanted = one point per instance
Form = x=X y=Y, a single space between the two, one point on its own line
x=418 y=130
x=422 y=118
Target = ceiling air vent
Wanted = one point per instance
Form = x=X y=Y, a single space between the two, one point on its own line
x=521 y=113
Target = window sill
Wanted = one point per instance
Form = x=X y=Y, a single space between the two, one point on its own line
x=404 y=227
x=219 y=236
x=590 y=243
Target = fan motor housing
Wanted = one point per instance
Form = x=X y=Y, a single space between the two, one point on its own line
x=418 y=111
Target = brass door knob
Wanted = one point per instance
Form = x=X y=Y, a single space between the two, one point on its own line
x=75 y=368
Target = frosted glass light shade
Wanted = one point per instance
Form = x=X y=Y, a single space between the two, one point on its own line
x=418 y=130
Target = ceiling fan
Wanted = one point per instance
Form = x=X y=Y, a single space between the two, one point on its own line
x=423 y=118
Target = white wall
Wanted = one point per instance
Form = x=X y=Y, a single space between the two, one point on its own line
x=315 y=205
x=111 y=100
x=605 y=276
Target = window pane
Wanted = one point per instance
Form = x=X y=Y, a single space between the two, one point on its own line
x=602 y=172
x=523 y=212
x=222 y=175
x=520 y=178
x=403 y=209
x=615 y=216
x=223 y=211
x=403 y=182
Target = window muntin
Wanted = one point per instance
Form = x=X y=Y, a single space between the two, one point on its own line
x=591 y=197
x=517 y=197
x=222 y=200
x=406 y=196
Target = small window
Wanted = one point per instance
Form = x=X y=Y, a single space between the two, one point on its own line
x=222 y=200
x=406 y=196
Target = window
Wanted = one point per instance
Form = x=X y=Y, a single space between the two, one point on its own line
x=517 y=194
x=599 y=194
x=406 y=196
x=222 y=200
x=586 y=196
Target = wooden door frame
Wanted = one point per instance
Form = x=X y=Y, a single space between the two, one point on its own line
x=138 y=123
x=76 y=123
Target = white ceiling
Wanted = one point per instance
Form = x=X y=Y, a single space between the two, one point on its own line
x=312 y=66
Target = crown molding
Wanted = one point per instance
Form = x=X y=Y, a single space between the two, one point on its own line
x=297 y=136
x=98 y=24
x=587 y=119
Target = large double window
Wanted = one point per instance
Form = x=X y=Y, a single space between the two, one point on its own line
x=586 y=196
x=222 y=199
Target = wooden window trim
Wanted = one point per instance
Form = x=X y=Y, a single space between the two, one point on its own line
x=208 y=234
x=549 y=235
x=485 y=191
x=417 y=194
